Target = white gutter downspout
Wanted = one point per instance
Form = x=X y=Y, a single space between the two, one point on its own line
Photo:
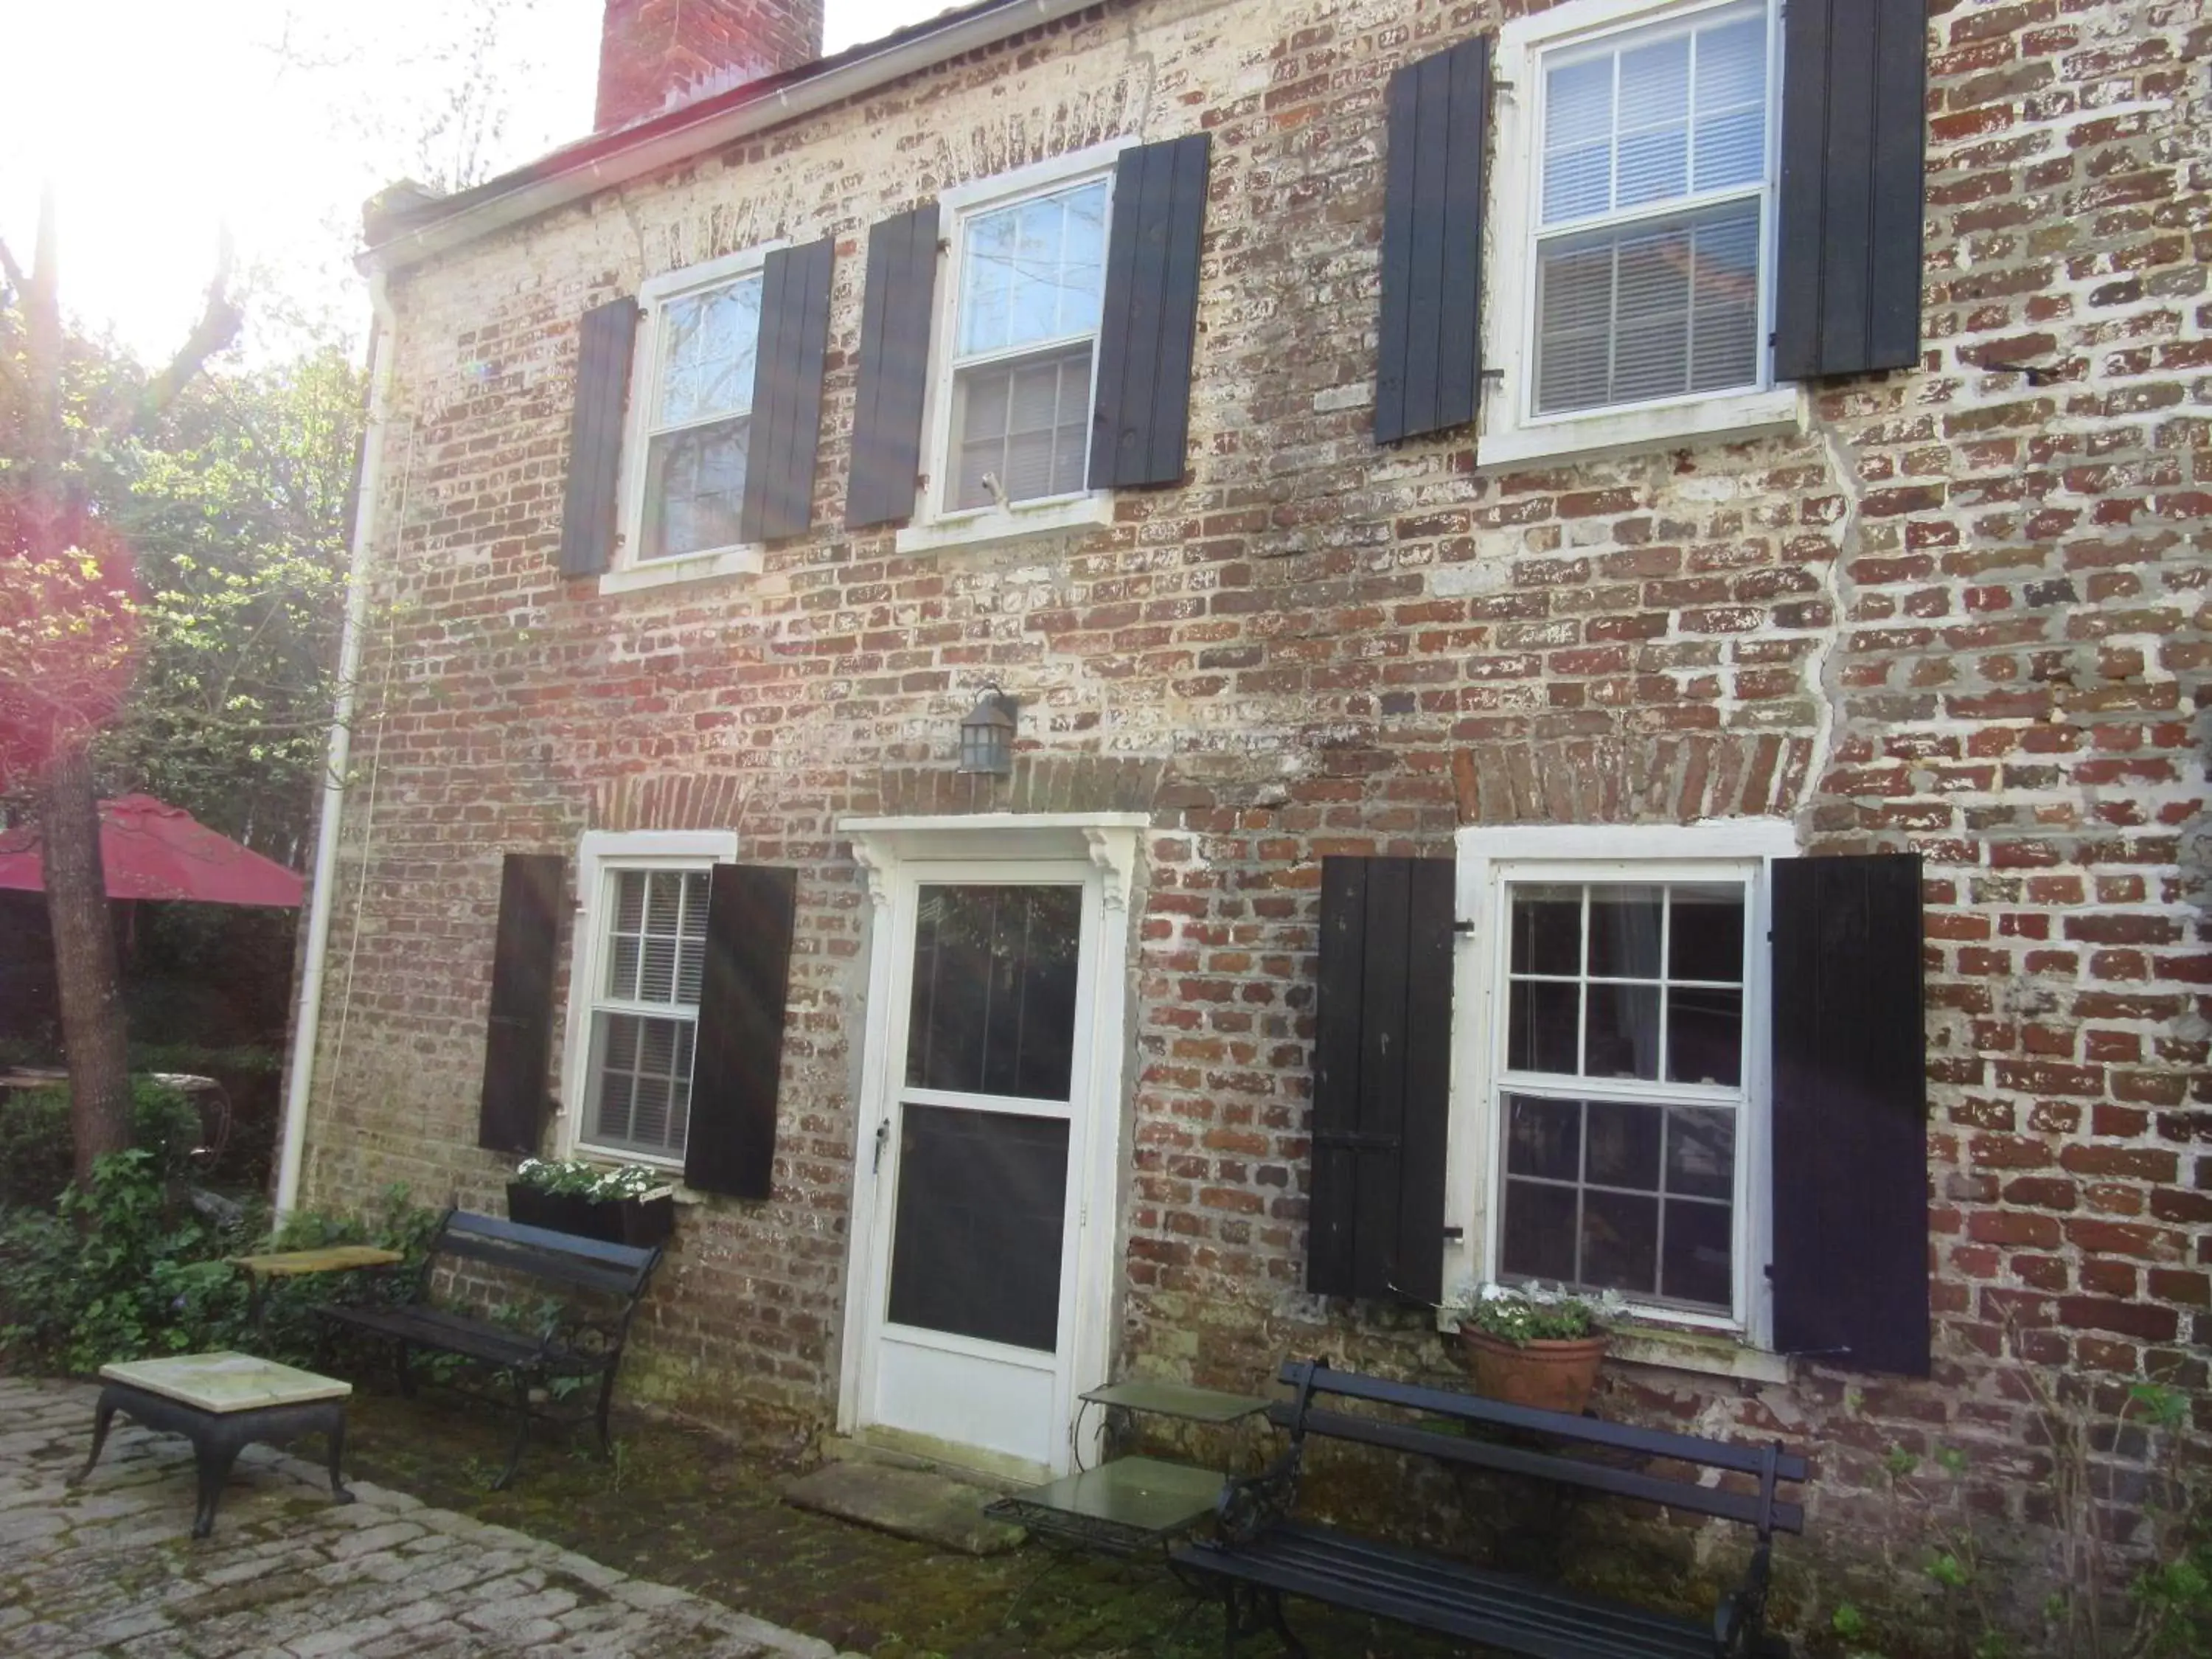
x=308 y=1019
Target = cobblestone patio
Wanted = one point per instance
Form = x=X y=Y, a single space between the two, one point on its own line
x=109 y=1568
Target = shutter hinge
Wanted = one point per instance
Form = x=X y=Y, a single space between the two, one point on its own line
x=1462 y=924
x=1453 y=1234
x=1356 y=1140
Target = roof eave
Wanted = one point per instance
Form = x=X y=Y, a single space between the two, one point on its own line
x=607 y=160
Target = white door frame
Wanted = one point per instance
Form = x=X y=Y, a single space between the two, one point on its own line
x=896 y=854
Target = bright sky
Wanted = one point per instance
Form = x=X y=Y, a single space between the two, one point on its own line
x=160 y=122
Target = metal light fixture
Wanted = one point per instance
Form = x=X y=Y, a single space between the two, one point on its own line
x=987 y=736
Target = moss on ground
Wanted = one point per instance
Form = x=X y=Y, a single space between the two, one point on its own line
x=687 y=1508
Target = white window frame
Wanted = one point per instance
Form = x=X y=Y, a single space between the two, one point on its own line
x=936 y=523
x=1511 y=433
x=601 y=855
x=630 y=572
x=1488 y=857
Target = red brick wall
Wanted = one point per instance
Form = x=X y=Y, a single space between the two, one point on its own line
x=1957 y=613
x=657 y=54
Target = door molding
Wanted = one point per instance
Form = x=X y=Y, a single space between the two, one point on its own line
x=891 y=853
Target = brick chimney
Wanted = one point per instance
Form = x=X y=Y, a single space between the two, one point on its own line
x=657 y=54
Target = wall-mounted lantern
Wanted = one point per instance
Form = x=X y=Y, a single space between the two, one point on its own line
x=987 y=736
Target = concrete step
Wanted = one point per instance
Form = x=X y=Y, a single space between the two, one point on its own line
x=931 y=1506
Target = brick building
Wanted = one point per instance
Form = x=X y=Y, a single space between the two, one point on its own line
x=1714 y=505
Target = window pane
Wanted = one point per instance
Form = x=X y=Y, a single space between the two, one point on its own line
x=1620 y=1242
x=1544 y=1137
x=694 y=482
x=1705 y=933
x=1624 y=1143
x=1654 y=154
x=1019 y=429
x=1624 y=925
x=1032 y=271
x=1633 y=313
x=1539 y=1234
x=708 y=343
x=1701 y=1151
x=1704 y=1036
x=981 y=1207
x=1548 y=930
x=1699 y=1264
x=1541 y=1034
x=1730 y=138
x=993 y=1003
x=1623 y=1040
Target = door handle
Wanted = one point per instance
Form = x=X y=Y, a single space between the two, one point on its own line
x=883 y=1138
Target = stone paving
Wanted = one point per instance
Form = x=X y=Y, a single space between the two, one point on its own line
x=110 y=1567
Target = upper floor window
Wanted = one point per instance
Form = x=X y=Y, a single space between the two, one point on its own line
x=692 y=417
x=1631 y=288
x=1652 y=182
x=1014 y=380
x=1031 y=274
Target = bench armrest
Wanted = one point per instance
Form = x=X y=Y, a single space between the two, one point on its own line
x=1740 y=1622
x=1249 y=1504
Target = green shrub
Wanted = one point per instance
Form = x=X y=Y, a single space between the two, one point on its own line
x=35 y=1146
x=122 y=1271
x=36 y=1152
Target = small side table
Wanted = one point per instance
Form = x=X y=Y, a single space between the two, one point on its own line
x=222 y=1403
x=1131 y=1505
x=291 y=1264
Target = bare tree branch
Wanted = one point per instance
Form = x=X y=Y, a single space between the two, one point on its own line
x=217 y=327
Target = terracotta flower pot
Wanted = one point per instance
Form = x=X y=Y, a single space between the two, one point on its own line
x=1550 y=1376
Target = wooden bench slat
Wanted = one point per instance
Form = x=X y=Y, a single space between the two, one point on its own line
x=1466 y=1603
x=635 y=1257
x=1474 y=1408
x=474 y=1339
x=1420 y=1573
x=520 y=1258
x=1518 y=1460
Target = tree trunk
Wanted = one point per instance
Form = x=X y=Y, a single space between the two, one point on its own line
x=93 y=1029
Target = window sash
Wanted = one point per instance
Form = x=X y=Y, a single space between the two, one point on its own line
x=1540 y=55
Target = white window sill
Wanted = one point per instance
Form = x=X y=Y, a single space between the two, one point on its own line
x=684 y=567
x=1710 y=1353
x=1009 y=523
x=1731 y=419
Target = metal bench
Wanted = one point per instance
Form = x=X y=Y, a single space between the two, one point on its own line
x=572 y=1346
x=1263 y=1554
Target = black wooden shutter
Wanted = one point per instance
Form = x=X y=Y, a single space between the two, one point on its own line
x=737 y=1061
x=595 y=436
x=1850 y=1110
x=1428 y=347
x=1148 y=326
x=1381 y=1078
x=519 y=1034
x=1854 y=117
x=888 y=413
x=787 y=420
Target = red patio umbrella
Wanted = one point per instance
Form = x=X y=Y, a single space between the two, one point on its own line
x=151 y=850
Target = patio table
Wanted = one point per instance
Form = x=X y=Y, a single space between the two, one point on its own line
x=222 y=1402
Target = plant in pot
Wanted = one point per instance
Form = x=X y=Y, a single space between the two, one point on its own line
x=1532 y=1346
x=622 y=1204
